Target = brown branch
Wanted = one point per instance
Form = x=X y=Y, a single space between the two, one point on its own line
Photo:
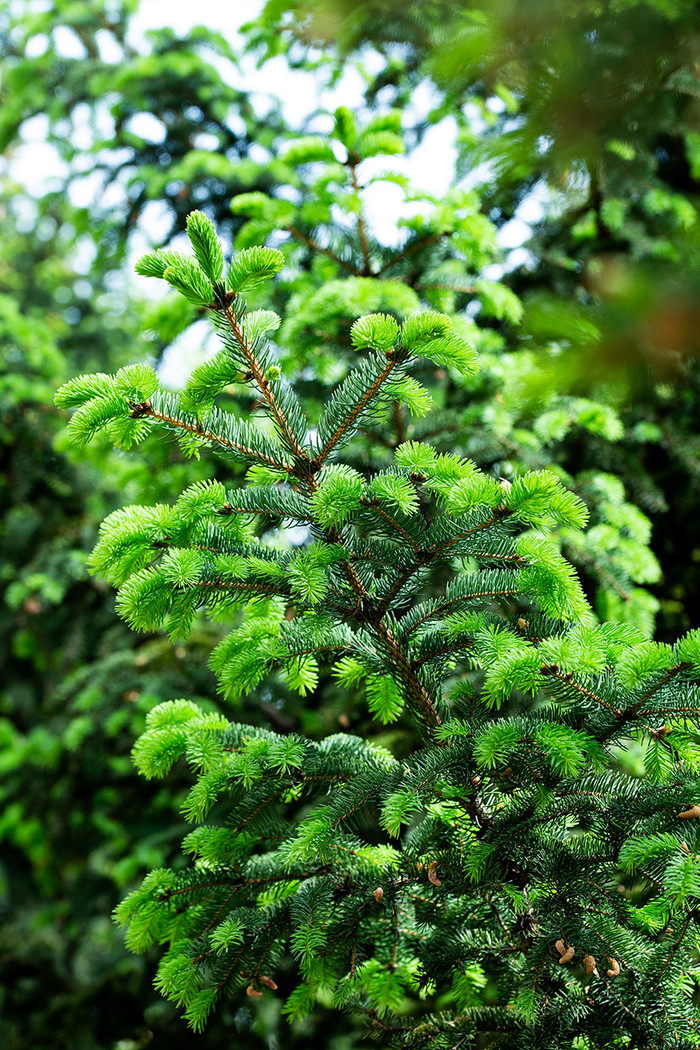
x=443 y=651
x=315 y=246
x=440 y=610
x=630 y=712
x=145 y=408
x=361 y=227
x=406 y=673
x=358 y=805
x=412 y=683
x=553 y=671
x=399 y=422
x=263 y=384
x=604 y=574
x=493 y=519
x=262 y=805
x=356 y=411
x=674 y=949
x=422 y=559
x=230 y=509
x=411 y=249
x=220 y=585
x=166 y=895
x=395 y=943
x=394 y=524
x=428 y=556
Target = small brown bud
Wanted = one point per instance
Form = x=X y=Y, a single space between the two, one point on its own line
x=684 y=846
x=589 y=963
x=378 y=894
x=614 y=967
x=690 y=814
x=560 y=945
x=567 y=956
x=253 y=992
x=268 y=982
x=432 y=875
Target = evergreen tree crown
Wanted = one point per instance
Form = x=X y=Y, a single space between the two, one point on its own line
x=500 y=842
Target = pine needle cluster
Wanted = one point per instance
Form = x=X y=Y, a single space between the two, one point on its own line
x=507 y=878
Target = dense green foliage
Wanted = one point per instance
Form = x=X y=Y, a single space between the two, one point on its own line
x=505 y=418
x=587 y=368
x=492 y=849
x=76 y=827
x=592 y=109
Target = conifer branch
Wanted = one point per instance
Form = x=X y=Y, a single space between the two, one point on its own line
x=231 y=508
x=375 y=506
x=674 y=949
x=361 y=225
x=628 y=714
x=687 y=710
x=568 y=680
x=264 y=385
x=604 y=574
x=251 y=816
x=357 y=410
x=414 y=687
x=315 y=246
x=422 y=559
x=411 y=249
x=145 y=408
x=168 y=894
x=448 y=649
x=443 y=606
x=498 y=515
x=237 y=585
x=475 y=811
x=408 y=677
x=354 y=808
x=399 y=423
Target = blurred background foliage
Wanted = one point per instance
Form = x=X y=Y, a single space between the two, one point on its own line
x=588 y=336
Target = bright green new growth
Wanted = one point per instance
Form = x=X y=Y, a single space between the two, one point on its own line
x=337 y=269
x=495 y=852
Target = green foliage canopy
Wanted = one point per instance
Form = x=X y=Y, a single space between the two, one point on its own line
x=495 y=847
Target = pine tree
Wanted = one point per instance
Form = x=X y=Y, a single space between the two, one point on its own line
x=505 y=878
